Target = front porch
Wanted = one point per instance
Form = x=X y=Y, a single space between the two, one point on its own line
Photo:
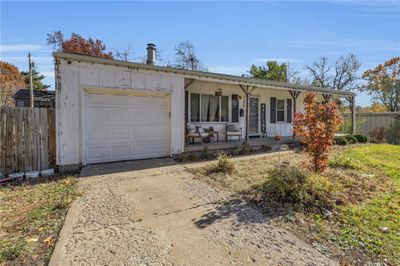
x=257 y=143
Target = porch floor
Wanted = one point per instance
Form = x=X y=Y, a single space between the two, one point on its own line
x=233 y=144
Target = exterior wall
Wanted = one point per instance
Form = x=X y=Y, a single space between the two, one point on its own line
x=73 y=78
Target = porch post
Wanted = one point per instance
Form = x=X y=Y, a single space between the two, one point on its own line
x=247 y=91
x=327 y=97
x=353 y=115
x=352 y=103
x=294 y=95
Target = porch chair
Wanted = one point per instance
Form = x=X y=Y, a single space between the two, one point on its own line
x=232 y=131
x=195 y=133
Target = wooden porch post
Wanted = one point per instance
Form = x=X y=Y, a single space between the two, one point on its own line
x=247 y=90
x=352 y=103
x=327 y=97
x=294 y=95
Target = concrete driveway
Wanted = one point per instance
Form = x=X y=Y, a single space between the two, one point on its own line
x=153 y=212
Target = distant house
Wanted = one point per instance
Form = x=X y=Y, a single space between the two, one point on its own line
x=42 y=98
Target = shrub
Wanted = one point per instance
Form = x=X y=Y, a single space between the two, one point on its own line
x=377 y=135
x=361 y=138
x=317 y=128
x=344 y=161
x=289 y=184
x=223 y=165
x=341 y=141
x=351 y=139
x=244 y=149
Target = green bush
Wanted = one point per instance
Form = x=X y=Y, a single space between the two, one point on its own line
x=344 y=161
x=351 y=139
x=361 y=138
x=289 y=184
x=244 y=149
x=341 y=141
x=223 y=165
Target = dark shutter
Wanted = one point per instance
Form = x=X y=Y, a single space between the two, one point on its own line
x=273 y=110
x=235 y=108
x=289 y=111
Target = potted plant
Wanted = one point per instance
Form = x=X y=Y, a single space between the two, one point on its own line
x=277 y=137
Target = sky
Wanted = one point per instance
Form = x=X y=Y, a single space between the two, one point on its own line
x=229 y=36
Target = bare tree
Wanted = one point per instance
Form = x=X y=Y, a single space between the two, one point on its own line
x=125 y=54
x=342 y=75
x=186 y=58
x=55 y=39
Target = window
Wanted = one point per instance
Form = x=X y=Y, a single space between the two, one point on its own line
x=209 y=108
x=224 y=108
x=280 y=110
x=195 y=107
x=235 y=108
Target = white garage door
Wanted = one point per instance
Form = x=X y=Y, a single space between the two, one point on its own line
x=126 y=127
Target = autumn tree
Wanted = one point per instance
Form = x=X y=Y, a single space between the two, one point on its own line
x=186 y=57
x=77 y=44
x=341 y=75
x=383 y=84
x=10 y=81
x=36 y=79
x=317 y=128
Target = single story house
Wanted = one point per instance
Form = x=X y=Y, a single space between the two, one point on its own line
x=111 y=110
x=41 y=98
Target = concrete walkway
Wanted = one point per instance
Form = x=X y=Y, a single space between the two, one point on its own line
x=153 y=212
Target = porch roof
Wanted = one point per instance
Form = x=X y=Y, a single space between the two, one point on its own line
x=201 y=75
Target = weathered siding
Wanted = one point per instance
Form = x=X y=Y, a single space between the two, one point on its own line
x=75 y=77
x=264 y=96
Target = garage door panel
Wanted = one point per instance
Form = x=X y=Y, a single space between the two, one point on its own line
x=120 y=152
x=122 y=127
x=98 y=154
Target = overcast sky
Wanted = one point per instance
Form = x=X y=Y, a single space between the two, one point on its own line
x=228 y=36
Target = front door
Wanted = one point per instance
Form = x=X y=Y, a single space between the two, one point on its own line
x=253 y=116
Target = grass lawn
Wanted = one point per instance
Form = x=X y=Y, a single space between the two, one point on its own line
x=31 y=216
x=364 y=224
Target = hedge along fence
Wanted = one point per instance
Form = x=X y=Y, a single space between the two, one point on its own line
x=366 y=122
x=27 y=139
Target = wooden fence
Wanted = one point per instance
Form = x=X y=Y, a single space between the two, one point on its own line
x=27 y=139
x=366 y=122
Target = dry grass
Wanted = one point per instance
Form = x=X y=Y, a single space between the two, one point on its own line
x=31 y=218
x=366 y=197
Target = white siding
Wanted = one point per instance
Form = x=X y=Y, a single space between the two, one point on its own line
x=264 y=96
x=70 y=96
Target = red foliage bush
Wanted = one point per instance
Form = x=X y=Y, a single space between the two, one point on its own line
x=378 y=135
x=317 y=128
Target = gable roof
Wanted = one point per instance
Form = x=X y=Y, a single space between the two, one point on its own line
x=201 y=75
x=25 y=94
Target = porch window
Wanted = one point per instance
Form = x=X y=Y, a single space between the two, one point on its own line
x=280 y=110
x=209 y=108
x=195 y=107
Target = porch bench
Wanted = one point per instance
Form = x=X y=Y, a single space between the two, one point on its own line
x=231 y=131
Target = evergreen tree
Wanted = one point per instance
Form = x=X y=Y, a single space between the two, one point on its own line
x=36 y=78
